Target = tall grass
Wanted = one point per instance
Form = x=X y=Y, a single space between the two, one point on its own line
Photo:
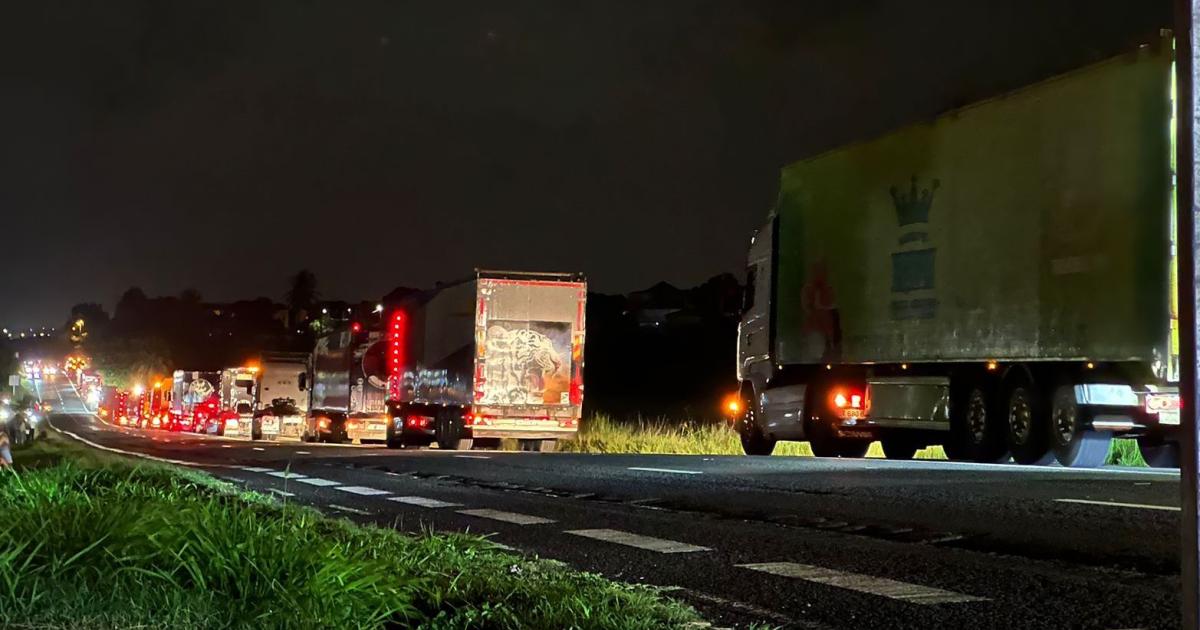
x=109 y=544
x=601 y=433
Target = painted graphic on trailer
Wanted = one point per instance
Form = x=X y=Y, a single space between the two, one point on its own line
x=527 y=363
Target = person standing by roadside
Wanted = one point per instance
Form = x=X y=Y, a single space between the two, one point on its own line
x=5 y=451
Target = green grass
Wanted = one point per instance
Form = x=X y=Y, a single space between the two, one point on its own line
x=90 y=540
x=602 y=434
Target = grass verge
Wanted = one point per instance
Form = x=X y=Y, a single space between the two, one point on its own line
x=92 y=540
x=602 y=434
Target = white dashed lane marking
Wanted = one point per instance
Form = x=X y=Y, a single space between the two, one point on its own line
x=424 y=502
x=321 y=483
x=892 y=589
x=636 y=540
x=507 y=517
x=282 y=493
x=472 y=457
x=303 y=453
x=342 y=508
x=1140 y=506
x=226 y=446
x=667 y=470
x=362 y=490
x=258 y=448
x=257 y=469
x=286 y=474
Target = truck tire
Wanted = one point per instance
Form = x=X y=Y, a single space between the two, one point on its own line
x=1159 y=454
x=899 y=448
x=450 y=432
x=1074 y=445
x=754 y=442
x=392 y=440
x=977 y=426
x=1028 y=432
x=825 y=444
x=539 y=446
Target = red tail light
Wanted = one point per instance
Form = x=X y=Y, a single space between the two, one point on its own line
x=848 y=403
x=396 y=352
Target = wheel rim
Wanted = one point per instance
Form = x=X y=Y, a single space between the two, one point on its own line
x=1064 y=423
x=1020 y=416
x=977 y=416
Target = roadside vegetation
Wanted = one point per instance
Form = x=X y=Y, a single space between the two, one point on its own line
x=601 y=433
x=92 y=540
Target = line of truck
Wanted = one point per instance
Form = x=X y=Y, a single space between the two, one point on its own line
x=498 y=355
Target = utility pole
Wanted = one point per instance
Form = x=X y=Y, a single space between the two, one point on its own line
x=1187 y=148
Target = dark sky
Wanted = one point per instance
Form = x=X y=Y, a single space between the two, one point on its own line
x=224 y=145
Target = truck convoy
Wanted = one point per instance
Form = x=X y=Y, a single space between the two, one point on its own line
x=497 y=356
x=999 y=281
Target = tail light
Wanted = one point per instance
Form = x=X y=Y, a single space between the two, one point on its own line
x=848 y=403
x=1158 y=403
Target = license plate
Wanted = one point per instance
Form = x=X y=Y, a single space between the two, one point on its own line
x=1168 y=417
x=377 y=427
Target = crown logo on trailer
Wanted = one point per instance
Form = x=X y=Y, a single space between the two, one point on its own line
x=912 y=205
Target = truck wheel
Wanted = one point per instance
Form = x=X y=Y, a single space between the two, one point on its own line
x=1028 y=434
x=899 y=448
x=539 y=446
x=825 y=444
x=1159 y=454
x=1074 y=445
x=449 y=433
x=392 y=440
x=754 y=442
x=976 y=426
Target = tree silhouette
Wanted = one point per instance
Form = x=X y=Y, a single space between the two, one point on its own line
x=190 y=296
x=301 y=295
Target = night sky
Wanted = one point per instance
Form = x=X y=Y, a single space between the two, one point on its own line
x=223 y=146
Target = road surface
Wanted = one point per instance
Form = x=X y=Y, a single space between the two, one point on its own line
x=791 y=542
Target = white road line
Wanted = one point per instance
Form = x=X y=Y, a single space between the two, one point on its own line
x=424 y=502
x=258 y=448
x=1142 y=506
x=472 y=457
x=321 y=483
x=351 y=510
x=303 y=453
x=892 y=589
x=286 y=474
x=282 y=493
x=667 y=470
x=507 y=517
x=635 y=540
x=226 y=446
x=257 y=469
x=362 y=490
x=234 y=479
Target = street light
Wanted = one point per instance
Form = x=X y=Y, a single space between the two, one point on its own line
x=138 y=389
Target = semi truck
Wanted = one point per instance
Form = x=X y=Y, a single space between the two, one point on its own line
x=281 y=404
x=999 y=281
x=498 y=355
x=346 y=385
x=194 y=399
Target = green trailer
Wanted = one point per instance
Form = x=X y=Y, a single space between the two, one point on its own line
x=998 y=280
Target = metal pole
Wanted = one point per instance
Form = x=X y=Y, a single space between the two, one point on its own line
x=1187 y=145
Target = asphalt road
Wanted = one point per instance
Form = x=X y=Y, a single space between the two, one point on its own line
x=786 y=541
